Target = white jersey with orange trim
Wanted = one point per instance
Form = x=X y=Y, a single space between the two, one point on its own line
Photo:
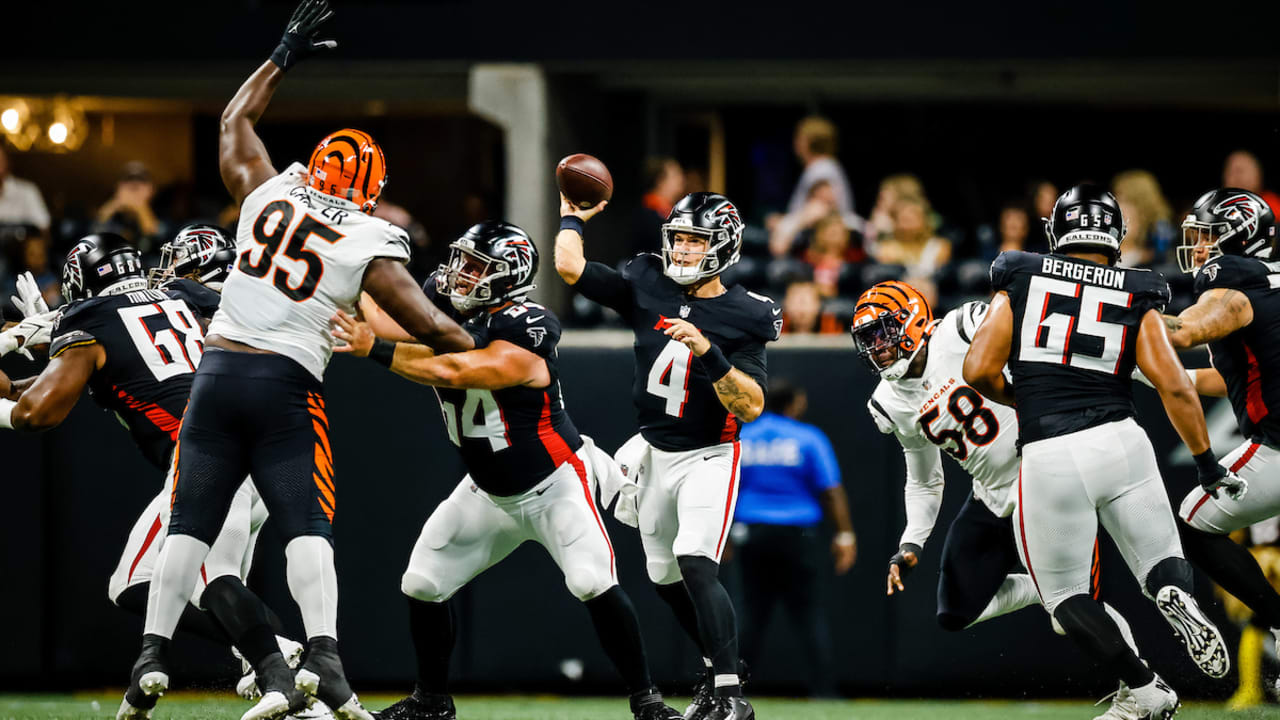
x=301 y=256
x=938 y=412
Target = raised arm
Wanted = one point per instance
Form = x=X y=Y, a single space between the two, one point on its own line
x=242 y=158
x=570 y=258
x=48 y=401
x=1217 y=313
x=989 y=352
x=395 y=291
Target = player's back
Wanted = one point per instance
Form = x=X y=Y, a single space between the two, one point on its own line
x=1074 y=340
x=153 y=345
x=1249 y=358
x=301 y=256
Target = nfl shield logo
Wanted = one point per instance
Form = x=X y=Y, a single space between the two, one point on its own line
x=685 y=310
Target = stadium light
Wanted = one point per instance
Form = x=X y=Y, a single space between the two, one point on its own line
x=58 y=133
x=9 y=120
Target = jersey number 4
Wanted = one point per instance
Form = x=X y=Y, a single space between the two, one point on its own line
x=165 y=354
x=979 y=423
x=279 y=214
x=1046 y=337
x=481 y=418
x=669 y=377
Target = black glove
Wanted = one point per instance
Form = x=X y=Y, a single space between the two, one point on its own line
x=1214 y=477
x=299 y=39
x=900 y=558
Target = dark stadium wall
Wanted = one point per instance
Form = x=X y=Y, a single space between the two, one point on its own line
x=74 y=492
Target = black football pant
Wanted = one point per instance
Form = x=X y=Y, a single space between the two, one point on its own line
x=780 y=564
x=259 y=415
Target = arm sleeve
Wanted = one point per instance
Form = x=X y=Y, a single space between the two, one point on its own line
x=923 y=493
x=825 y=470
x=607 y=286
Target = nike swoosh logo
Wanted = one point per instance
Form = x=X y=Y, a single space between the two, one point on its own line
x=543 y=490
x=708 y=457
x=776 y=311
x=532 y=320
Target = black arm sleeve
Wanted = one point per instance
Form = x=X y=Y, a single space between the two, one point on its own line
x=607 y=286
x=750 y=359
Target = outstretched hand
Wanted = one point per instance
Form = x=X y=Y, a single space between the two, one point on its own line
x=357 y=336
x=900 y=565
x=568 y=208
x=299 y=41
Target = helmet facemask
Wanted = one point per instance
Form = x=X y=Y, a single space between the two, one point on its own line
x=884 y=332
x=472 y=280
x=171 y=256
x=707 y=266
x=1197 y=234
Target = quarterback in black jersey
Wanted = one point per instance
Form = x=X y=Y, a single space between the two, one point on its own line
x=1071 y=326
x=530 y=475
x=700 y=373
x=1227 y=239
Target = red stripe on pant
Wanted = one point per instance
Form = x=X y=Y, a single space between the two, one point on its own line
x=146 y=543
x=560 y=453
x=1022 y=532
x=1240 y=462
x=728 y=501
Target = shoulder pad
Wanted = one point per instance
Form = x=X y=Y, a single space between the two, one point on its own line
x=68 y=340
x=1008 y=263
x=201 y=299
x=967 y=319
x=766 y=314
x=1233 y=271
x=1149 y=288
x=80 y=315
x=527 y=325
x=884 y=422
x=641 y=266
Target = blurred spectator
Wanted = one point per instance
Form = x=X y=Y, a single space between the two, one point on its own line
x=821 y=204
x=20 y=200
x=914 y=243
x=790 y=480
x=31 y=254
x=892 y=189
x=1148 y=217
x=823 y=187
x=129 y=212
x=1041 y=196
x=664 y=179
x=422 y=261
x=803 y=312
x=830 y=254
x=1015 y=227
x=1242 y=170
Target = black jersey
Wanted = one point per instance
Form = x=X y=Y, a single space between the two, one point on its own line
x=1249 y=358
x=1075 y=330
x=199 y=298
x=153 y=344
x=677 y=406
x=510 y=439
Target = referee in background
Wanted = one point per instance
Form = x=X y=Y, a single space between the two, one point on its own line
x=789 y=481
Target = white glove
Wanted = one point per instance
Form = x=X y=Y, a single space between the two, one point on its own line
x=30 y=301
x=35 y=330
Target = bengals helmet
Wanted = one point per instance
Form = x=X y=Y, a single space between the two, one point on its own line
x=349 y=165
x=1229 y=221
x=891 y=315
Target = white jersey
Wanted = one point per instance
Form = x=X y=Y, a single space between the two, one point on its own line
x=938 y=411
x=301 y=256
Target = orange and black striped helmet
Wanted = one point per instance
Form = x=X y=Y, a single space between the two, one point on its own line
x=891 y=315
x=349 y=164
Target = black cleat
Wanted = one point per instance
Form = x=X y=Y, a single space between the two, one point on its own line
x=148 y=680
x=648 y=705
x=731 y=708
x=703 y=699
x=420 y=706
x=321 y=677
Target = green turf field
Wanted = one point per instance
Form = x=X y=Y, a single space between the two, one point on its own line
x=188 y=706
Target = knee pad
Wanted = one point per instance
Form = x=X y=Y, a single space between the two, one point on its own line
x=663 y=572
x=586 y=583
x=421 y=587
x=1173 y=571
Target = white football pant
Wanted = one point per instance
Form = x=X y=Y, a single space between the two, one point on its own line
x=1222 y=515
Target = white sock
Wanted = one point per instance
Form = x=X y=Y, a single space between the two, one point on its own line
x=313 y=582
x=1124 y=628
x=727 y=681
x=707 y=661
x=1015 y=593
x=173 y=582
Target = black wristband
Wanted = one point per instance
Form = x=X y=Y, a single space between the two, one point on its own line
x=574 y=223
x=281 y=57
x=715 y=363
x=383 y=352
x=910 y=548
x=1207 y=464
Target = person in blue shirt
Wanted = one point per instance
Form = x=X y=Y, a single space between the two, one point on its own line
x=790 y=481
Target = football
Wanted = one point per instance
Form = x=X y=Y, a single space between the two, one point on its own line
x=584 y=180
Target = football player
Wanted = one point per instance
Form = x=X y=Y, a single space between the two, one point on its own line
x=1226 y=240
x=530 y=475
x=700 y=373
x=1071 y=327
x=307 y=244
x=136 y=350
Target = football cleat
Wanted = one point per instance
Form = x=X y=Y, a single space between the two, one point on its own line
x=316 y=711
x=321 y=677
x=648 y=705
x=247 y=685
x=703 y=698
x=1155 y=701
x=1123 y=705
x=731 y=708
x=420 y=706
x=148 y=680
x=273 y=704
x=1200 y=636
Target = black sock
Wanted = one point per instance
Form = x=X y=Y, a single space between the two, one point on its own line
x=619 y=631
x=717 y=623
x=1173 y=571
x=677 y=597
x=1098 y=635
x=1232 y=566
x=432 y=627
x=194 y=620
x=245 y=617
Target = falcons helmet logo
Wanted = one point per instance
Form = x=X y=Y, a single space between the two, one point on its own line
x=1243 y=209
